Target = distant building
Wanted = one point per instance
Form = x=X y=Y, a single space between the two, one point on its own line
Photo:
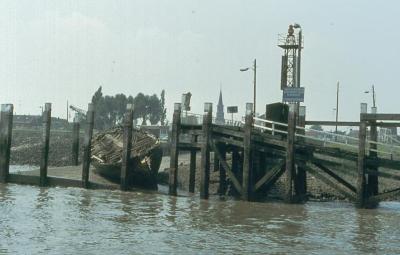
x=220 y=119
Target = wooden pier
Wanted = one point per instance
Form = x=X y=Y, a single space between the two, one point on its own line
x=259 y=154
x=260 y=157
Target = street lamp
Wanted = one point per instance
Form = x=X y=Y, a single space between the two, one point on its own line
x=254 y=68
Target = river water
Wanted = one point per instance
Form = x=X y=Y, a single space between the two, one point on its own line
x=37 y=220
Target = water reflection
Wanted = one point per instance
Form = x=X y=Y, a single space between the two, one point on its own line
x=368 y=228
x=56 y=220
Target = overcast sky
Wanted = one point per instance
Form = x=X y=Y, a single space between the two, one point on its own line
x=54 y=51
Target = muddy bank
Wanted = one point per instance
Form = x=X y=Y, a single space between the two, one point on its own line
x=26 y=147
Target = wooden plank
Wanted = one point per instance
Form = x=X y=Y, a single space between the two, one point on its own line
x=330 y=183
x=6 y=123
x=75 y=142
x=192 y=166
x=361 y=180
x=229 y=141
x=174 y=153
x=332 y=123
x=228 y=132
x=338 y=153
x=126 y=148
x=335 y=176
x=247 y=158
x=270 y=175
x=379 y=116
x=383 y=174
x=385 y=195
x=186 y=127
x=189 y=146
x=266 y=139
x=382 y=162
x=222 y=172
x=191 y=132
x=205 y=155
x=372 y=184
x=290 y=175
x=228 y=170
x=87 y=144
x=44 y=156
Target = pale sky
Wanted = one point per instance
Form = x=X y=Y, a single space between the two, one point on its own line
x=54 y=51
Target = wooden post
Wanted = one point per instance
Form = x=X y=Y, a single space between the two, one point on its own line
x=46 y=120
x=173 y=167
x=192 y=173
x=301 y=176
x=247 y=154
x=216 y=163
x=6 y=122
x=222 y=172
x=290 y=174
x=75 y=142
x=87 y=144
x=205 y=152
x=361 y=192
x=127 y=146
x=235 y=171
x=373 y=154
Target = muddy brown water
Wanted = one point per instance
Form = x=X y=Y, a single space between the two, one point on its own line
x=37 y=220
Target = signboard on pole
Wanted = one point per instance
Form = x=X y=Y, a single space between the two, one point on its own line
x=232 y=109
x=293 y=94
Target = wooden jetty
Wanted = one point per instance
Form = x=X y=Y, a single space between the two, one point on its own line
x=260 y=154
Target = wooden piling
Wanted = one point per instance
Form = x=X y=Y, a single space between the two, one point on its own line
x=373 y=155
x=173 y=168
x=192 y=167
x=46 y=120
x=361 y=186
x=222 y=172
x=6 y=122
x=87 y=144
x=127 y=146
x=301 y=175
x=205 y=152
x=290 y=167
x=216 y=163
x=247 y=154
x=75 y=142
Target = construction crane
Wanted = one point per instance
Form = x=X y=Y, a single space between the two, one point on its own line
x=80 y=114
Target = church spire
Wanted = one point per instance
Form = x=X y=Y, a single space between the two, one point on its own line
x=220 y=119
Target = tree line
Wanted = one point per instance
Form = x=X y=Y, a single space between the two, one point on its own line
x=111 y=109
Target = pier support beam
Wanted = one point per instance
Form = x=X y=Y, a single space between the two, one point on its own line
x=126 y=149
x=173 y=165
x=6 y=122
x=192 y=167
x=301 y=174
x=222 y=171
x=290 y=166
x=87 y=144
x=75 y=142
x=205 y=152
x=247 y=155
x=361 y=185
x=372 y=189
x=46 y=120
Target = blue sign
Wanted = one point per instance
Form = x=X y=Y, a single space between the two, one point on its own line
x=293 y=94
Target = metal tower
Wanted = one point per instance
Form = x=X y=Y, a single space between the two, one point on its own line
x=292 y=45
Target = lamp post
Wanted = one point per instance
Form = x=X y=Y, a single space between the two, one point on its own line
x=374 y=110
x=254 y=68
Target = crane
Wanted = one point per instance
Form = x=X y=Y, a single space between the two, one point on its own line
x=80 y=114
